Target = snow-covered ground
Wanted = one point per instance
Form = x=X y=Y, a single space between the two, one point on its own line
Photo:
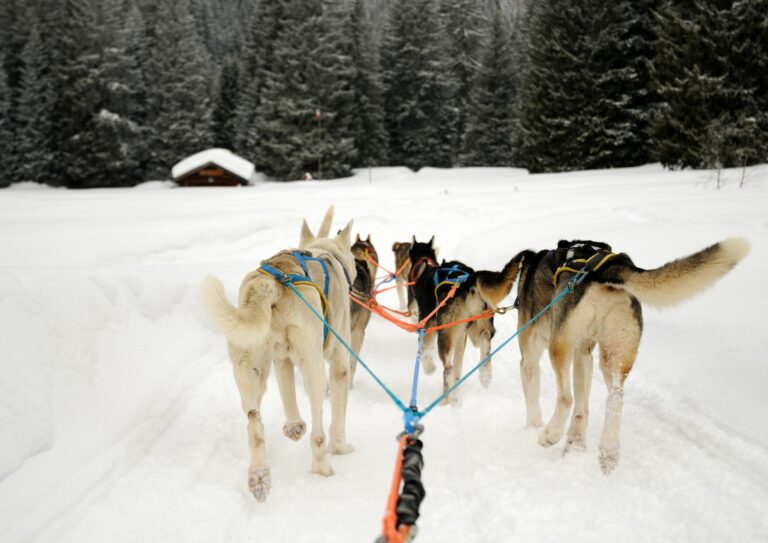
x=120 y=420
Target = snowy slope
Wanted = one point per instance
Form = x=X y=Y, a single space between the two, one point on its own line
x=121 y=421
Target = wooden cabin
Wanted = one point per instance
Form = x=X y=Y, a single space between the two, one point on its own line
x=213 y=168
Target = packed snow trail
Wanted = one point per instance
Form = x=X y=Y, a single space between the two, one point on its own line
x=121 y=420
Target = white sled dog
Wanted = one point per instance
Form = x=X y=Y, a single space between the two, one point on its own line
x=272 y=325
x=606 y=310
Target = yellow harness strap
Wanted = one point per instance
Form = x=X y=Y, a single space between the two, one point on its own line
x=583 y=262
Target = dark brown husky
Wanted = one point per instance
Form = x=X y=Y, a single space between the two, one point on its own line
x=364 y=252
x=476 y=292
x=606 y=310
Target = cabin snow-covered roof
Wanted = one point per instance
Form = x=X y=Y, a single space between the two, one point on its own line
x=222 y=158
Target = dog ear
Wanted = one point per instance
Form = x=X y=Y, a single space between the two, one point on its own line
x=346 y=233
x=368 y=239
x=357 y=237
x=414 y=238
x=325 y=226
x=431 y=241
x=396 y=246
x=307 y=236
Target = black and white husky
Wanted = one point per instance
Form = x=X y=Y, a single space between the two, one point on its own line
x=476 y=291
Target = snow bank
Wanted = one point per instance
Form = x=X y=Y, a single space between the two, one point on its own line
x=121 y=420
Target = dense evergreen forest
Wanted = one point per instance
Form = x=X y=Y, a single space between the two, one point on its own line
x=97 y=93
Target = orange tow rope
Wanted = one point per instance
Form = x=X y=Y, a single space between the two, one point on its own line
x=389 y=524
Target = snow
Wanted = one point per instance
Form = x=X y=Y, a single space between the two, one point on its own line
x=220 y=157
x=121 y=420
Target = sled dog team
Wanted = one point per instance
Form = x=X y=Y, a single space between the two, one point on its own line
x=272 y=328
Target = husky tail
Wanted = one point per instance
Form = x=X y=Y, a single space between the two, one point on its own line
x=494 y=286
x=681 y=279
x=248 y=325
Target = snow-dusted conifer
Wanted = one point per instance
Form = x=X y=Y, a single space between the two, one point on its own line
x=6 y=134
x=181 y=92
x=489 y=136
x=414 y=60
x=368 y=91
x=580 y=82
x=465 y=26
x=78 y=95
x=267 y=26
x=710 y=111
x=35 y=108
x=225 y=105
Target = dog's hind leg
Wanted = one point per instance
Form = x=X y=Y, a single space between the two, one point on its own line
x=294 y=426
x=481 y=332
x=531 y=351
x=251 y=377
x=339 y=378
x=358 y=336
x=582 y=382
x=616 y=360
x=427 y=353
x=459 y=347
x=560 y=354
x=448 y=344
x=313 y=375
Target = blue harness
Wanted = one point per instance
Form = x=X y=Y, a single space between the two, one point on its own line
x=454 y=274
x=295 y=278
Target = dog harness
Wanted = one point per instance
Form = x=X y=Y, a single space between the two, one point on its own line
x=450 y=276
x=583 y=266
x=296 y=279
x=427 y=261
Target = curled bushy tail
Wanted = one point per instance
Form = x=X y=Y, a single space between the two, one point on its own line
x=684 y=278
x=247 y=325
x=494 y=286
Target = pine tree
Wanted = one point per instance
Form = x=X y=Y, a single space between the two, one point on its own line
x=334 y=84
x=267 y=28
x=709 y=109
x=749 y=65
x=489 y=136
x=305 y=99
x=368 y=90
x=465 y=24
x=579 y=86
x=35 y=112
x=77 y=95
x=6 y=135
x=225 y=107
x=414 y=61
x=14 y=29
x=118 y=137
x=180 y=93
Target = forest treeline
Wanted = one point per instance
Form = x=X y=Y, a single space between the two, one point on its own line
x=97 y=93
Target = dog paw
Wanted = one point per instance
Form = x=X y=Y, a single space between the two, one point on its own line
x=486 y=373
x=294 y=430
x=450 y=400
x=322 y=468
x=547 y=438
x=609 y=459
x=259 y=483
x=534 y=420
x=341 y=448
x=575 y=443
